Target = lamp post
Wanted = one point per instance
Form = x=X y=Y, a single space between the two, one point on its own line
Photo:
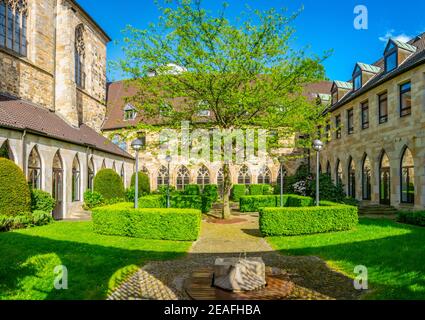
x=281 y=161
x=137 y=145
x=317 y=146
x=168 y=159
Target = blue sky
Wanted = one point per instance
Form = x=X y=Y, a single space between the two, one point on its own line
x=323 y=25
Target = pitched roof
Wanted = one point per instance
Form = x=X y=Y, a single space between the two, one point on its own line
x=404 y=45
x=415 y=59
x=368 y=67
x=343 y=85
x=119 y=91
x=22 y=115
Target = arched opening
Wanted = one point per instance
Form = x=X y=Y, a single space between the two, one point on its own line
x=114 y=167
x=338 y=172
x=91 y=174
x=122 y=173
x=76 y=179
x=351 y=179
x=264 y=176
x=407 y=177
x=57 y=185
x=384 y=180
x=34 y=169
x=163 y=176
x=103 y=164
x=244 y=176
x=182 y=178
x=6 y=151
x=203 y=177
x=328 y=169
x=366 y=179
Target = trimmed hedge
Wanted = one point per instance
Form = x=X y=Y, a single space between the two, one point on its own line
x=25 y=220
x=192 y=190
x=255 y=203
x=109 y=184
x=152 y=201
x=181 y=201
x=307 y=220
x=238 y=191
x=211 y=192
x=144 y=183
x=255 y=189
x=15 y=196
x=42 y=201
x=158 y=224
x=416 y=218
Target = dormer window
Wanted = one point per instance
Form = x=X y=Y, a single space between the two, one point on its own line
x=130 y=112
x=396 y=53
x=357 y=78
x=391 y=61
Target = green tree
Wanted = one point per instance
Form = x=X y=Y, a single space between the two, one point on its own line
x=246 y=73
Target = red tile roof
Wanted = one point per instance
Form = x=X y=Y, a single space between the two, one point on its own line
x=22 y=115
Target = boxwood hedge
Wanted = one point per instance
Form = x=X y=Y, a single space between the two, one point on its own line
x=152 y=201
x=238 y=190
x=158 y=224
x=255 y=203
x=109 y=184
x=412 y=217
x=291 y=221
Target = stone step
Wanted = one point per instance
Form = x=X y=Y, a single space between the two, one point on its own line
x=377 y=209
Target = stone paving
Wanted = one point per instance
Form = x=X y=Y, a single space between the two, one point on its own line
x=164 y=280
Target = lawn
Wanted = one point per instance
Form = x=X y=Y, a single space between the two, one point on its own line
x=95 y=263
x=393 y=253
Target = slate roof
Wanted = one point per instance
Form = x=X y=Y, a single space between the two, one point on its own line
x=22 y=115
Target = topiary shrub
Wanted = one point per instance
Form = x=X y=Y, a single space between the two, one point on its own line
x=160 y=224
x=182 y=201
x=42 y=201
x=15 y=196
x=307 y=220
x=268 y=189
x=109 y=184
x=255 y=189
x=192 y=190
x=163 y=190
x=254 y=203
x=152 y=201
x=211 y=192
x=41 y=218
x=144 y=183
x=238 y=190
x=328 y=190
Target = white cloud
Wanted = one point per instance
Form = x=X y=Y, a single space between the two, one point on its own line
x=391 y=35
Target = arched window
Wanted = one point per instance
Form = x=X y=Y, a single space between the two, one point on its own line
x=182 y=178
x=328 y=169
x=122 y=172
x=407 y=177
x=103 y=164
x=351 y=179
x=91 y=174
x=57 y=185
x=5 y=151
x=264 y=176
x=384 y=180
x=34 y=169
x=76 y=179
x=203 y=177
x=145 y=170
x=13 y=25
x=80 y=53
x=163 y=176
x=244 y=177
x=366 y=179
x=338 y=172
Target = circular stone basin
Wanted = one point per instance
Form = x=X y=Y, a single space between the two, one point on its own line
x=199 y=287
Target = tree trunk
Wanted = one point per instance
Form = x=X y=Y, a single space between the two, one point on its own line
x=226 y=191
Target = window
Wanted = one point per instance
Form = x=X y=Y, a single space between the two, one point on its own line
x=350 y=121
x=120 y=142
x=34 y=169
x=129 y=112
x=351 y=179
x=90 y=174
x=384 y=180
x=405 y=99
x=76 y=179
x=334 y=96
x=391 y=61
x=80 y=75
x=407 y=178
x=357 y=82
x=5 y=151
x=182 y=178
x=264 y=176
x=13 y=26
x=365 y=115
x=366 y=179
x=338 y=126
x=244 y=177
x=327 y=131
x=383 y=107
x=203 y=177
x=163 y=176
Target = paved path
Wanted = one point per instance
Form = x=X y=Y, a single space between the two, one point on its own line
x=313 y=279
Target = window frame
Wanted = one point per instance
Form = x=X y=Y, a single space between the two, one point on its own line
x=364 y=106
x=382 y=118
x=402 y=92
x=392 y=52
x=18 y=18
x=350 y=116
x=338 y=131
x=355 y=77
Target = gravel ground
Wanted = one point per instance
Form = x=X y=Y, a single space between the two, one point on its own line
x=164 y=280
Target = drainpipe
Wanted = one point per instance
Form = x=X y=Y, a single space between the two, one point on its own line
x=24 y=154
x=54 y=54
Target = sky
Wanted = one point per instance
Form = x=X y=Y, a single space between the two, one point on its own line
x=323 y=25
